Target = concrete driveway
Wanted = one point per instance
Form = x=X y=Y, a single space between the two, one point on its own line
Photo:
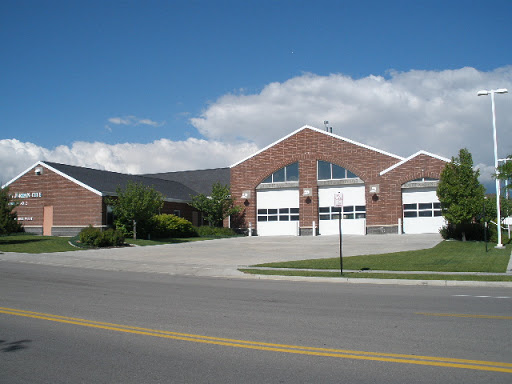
x=222 y=257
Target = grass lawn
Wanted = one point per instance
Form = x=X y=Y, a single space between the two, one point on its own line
x=25 y=243
x=447 y=256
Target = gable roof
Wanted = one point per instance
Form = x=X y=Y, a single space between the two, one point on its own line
x=105 y=183
x=324 y=133
x=412 y=157
x=200 y=180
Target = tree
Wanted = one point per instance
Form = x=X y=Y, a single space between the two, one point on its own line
x=217 y=206
x=136 y=204
x=8 y=217
x=505 y=171
x=459 y=191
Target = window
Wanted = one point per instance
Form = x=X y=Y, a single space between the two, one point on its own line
x=330 y=171
x=288 y=173
x=279 y=214
x=349 y=212
x=177 y=212
x=422 y=209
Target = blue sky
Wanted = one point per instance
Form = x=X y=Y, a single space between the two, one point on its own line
x=110 y=84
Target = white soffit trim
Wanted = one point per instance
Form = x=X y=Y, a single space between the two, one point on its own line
x=71 y=179
x=42 y=163
x=21 y=174
x=422 y=152
x=323 y=132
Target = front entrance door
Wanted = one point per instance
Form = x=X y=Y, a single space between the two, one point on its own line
x=47 y=220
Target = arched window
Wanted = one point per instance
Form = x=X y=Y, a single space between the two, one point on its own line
x=288 y=173
x=330 y=171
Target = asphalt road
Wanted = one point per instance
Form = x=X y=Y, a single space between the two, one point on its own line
x=78 y=325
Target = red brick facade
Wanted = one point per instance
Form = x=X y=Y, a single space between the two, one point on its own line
x=306 y=146
x=73 y=205
x=52 y=204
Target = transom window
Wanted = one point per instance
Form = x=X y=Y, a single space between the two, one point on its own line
x=288 y=173
x=330 y=171
x=278 y=214
x=422 y=210
x=349 y=212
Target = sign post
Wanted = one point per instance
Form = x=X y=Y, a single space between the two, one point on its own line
x=338 y=203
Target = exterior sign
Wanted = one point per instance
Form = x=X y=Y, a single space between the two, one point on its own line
x=19 y=195
x=338 y=199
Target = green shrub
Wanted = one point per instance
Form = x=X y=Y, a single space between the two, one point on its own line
x=110 y=238
x=164 y=226
x=89 y=235
x=207 y=231
x=474 y=232
x=95 y=237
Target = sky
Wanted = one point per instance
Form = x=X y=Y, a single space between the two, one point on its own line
x=157 y=86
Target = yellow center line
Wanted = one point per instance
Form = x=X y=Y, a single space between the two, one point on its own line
x=295 y=349
x=465 y=315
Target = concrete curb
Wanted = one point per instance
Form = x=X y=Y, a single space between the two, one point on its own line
x=346 y=280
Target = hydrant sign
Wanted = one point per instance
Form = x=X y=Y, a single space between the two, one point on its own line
x=338 y=199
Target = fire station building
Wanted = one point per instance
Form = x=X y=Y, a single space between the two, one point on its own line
x=303 y=184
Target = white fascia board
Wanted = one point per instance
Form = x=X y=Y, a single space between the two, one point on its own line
x=71 y=178
x=323 y=132
x=43 y=164
x=21 y=174
x=422 y=152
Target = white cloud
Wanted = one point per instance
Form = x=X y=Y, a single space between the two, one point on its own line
x=437 y=111
x=133 y=121
x=159 y=156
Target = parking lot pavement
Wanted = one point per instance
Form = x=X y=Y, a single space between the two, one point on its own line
x=222 y=257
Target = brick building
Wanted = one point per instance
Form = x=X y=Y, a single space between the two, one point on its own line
x=60 y=200
x=300 y=184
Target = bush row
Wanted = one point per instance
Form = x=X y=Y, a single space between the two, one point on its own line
x=160 y=227
x=474 y=232
x=98 y=238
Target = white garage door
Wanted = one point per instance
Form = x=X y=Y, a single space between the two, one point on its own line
x=421 y=210
x=278 y=212
x=353 y=212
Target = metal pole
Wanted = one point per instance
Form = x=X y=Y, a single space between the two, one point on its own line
x=485 y=228
x=499 y=245
x=341 y=243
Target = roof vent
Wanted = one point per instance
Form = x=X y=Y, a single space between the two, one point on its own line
x=38 y=171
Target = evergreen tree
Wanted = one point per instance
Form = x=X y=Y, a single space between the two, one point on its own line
x=459 y=191
x=8 y=217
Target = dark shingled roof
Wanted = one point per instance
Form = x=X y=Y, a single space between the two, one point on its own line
x=107 y=182
x=200 y=181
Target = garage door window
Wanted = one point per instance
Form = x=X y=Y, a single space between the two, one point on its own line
x=278 y=214
x=422 y=210
x=349 y=212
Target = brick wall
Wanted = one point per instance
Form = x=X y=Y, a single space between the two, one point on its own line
x=73 y=205
x=307 y=146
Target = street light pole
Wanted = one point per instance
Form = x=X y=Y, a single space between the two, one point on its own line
x=484 y=93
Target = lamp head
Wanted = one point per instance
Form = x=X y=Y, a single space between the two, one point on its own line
x=483 y=93
x=501 y=90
